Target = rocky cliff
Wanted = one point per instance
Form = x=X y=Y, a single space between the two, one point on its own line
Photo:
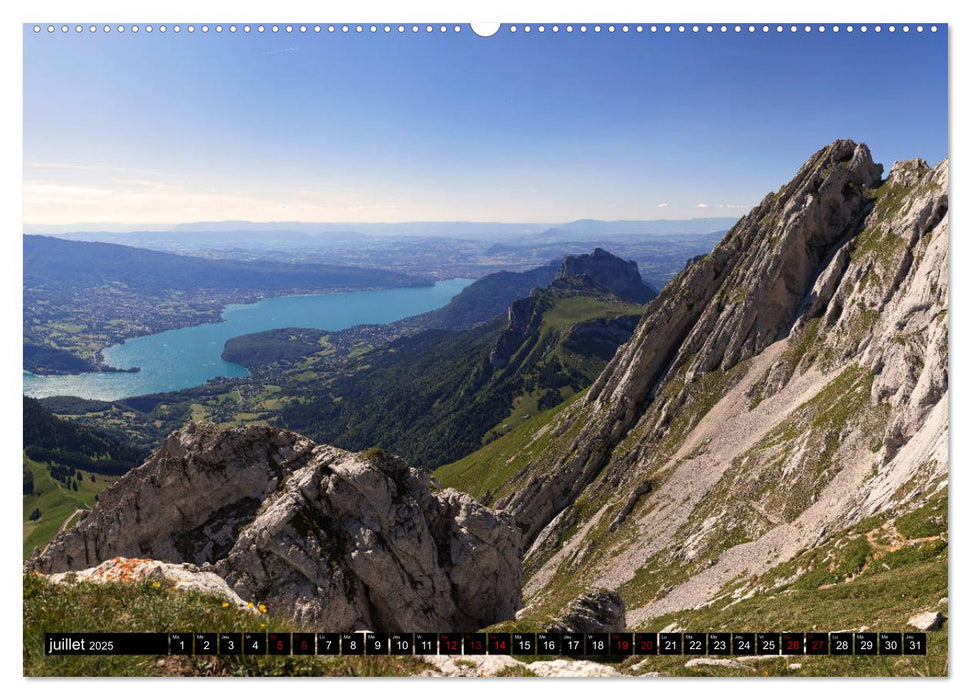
x=783 y=388
x=620 y=277
x=344 y=541
x=599 y=275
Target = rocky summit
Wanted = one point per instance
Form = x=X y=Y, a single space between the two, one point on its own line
x=339 y=540
x=620 y=277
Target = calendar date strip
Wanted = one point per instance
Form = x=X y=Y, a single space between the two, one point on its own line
x=560 y=644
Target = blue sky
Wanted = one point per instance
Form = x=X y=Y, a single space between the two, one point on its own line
x=164 y=128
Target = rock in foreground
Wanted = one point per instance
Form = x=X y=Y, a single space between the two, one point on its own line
x=186 y=577
x=343 y=541
x=927 y=621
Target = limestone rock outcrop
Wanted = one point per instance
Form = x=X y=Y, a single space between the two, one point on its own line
x=523 y=321
x=186 y=577
x=347 y=541
x=836 y=250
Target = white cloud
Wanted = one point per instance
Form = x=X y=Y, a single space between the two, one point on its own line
x=662 y=205
x=144 y=184
x=96 y=168
x=701 y=206
x=145 y=201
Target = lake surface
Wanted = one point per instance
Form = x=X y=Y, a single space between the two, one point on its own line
x=188 y=357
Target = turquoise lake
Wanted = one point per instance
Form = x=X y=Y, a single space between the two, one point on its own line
x=189 y=357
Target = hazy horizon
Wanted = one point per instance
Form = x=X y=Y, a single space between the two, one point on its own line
x=232 y=225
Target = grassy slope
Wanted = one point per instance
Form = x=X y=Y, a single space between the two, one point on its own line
x=876 y=575
x=141 y=607
x=879 y=600
x=490 y=467
x=572 y=310
x=552 y=333
x=56 y=502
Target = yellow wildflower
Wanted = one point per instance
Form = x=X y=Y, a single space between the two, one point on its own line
x=249 y=604
x=156 y=584
x=262 y=608
x=225 y=604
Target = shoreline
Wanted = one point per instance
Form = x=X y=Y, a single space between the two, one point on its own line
x=102 y=367
x=97 y=385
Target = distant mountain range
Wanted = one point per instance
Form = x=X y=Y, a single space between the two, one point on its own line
x=452 y=229
x=66 y=263
x=438 y=250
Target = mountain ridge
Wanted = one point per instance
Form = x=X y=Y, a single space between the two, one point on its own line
x=799 y=372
